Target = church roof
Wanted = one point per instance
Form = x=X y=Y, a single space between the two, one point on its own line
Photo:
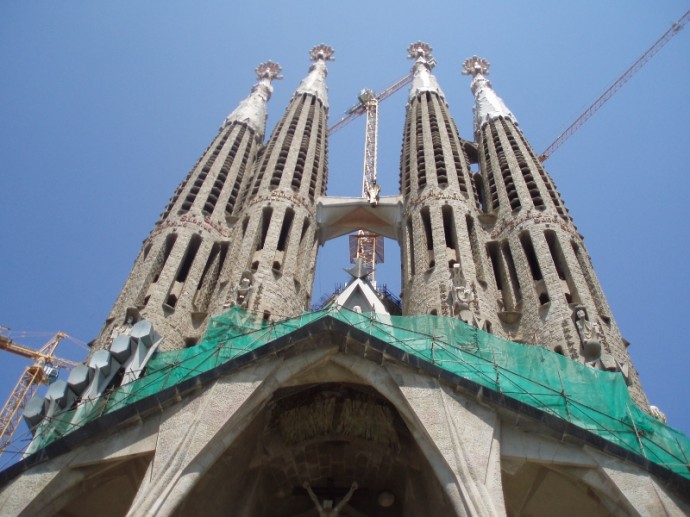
x=568 y=397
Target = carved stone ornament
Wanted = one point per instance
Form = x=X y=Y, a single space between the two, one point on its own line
x=322 y=53
x=268 y=70
x=243 y=290
x=460 y=296
x=421 y=51
x=590 y=334
x=475 y=65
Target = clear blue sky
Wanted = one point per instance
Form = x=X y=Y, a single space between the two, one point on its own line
x=106 y=106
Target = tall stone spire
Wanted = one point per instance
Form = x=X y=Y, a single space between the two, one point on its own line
x=546 y=291
x=443 y=264
x=179 y=269
x=252 y=110
x=422 y=78
x=315 y=82
x=274 y=257
x=488 y=105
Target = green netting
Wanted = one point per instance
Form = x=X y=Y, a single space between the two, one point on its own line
x=594 y=400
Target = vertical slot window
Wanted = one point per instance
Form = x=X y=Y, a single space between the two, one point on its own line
x=285 y=229
x=183 y=271
x=531 y=256
x=265 y=223
x=561 y=266
x=449 y=233
x=426 y=224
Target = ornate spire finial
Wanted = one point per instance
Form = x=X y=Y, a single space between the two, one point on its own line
x=252 y=110
x=321 y=53
x=269 y=71
x=475 y=65
x=488 y=106
x=421 y=51
x=423 y=80
x=315 y=82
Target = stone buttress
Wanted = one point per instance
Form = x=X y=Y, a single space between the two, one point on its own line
x=179 y=267
x=547 y=291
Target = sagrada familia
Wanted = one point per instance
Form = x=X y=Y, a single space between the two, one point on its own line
x=497 y=384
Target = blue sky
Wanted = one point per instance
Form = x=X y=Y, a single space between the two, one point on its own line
x=106 y=106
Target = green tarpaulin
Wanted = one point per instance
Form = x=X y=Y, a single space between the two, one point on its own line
x=594 y=400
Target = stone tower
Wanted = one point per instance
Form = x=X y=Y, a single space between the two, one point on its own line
x=212 y=390
x=275 y=250
x=441 y=245
x=546 y=290
x=181 y=266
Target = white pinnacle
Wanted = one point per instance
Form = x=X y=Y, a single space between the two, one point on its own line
x=423 y=80
x=488 y=105
x=252 y=110
x=315 y=82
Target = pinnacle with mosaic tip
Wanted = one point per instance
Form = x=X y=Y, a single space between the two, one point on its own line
x=475 y=65
x=421 y=51
x=321 y=52
x=269 y=70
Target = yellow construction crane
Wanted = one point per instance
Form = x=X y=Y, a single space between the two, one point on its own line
x=43 y=371
x=617 y=84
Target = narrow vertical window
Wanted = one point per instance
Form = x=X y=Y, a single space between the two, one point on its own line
x=426 y=223
x=156 y=269
x=531 y=256
x=169 y=243
x=210 y=275
x=562 y=268
x=493 y=251
x=285 y=229
x=183 y=271
x=449 y=233
x=283 y=239
x=265 y=223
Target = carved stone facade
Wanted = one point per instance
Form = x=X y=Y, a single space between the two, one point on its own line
x=325 y=420
x=181 y=267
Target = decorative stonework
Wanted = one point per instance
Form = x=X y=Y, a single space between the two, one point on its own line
x=432 y=195
x=475 y=65
x=191 y=220
x=283 y=195
x=508 y=225
x=321 y=52
x=268 y=70
x=421 y=51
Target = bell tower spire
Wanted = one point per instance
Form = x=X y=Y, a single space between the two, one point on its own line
x=489 y=106
x=443 y=265
x=274 y=256
x=179 y=268
x=252 y=110
x=545 y=285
